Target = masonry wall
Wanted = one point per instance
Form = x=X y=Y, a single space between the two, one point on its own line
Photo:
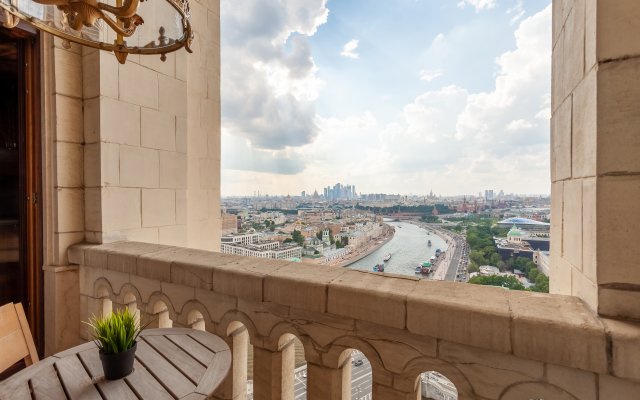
x=131 y=152
x=152 y=141
x=595 y=143
x=203 y=123
x=63 y=187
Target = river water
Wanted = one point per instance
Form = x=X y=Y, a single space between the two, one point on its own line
x=408 y=248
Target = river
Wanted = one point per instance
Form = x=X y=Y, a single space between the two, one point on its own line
x=408 y=248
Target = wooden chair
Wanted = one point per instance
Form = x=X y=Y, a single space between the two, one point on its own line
x=16 y=342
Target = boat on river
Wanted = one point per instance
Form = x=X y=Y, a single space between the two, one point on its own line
x=425 y=268
x=378 y=268
x=386 y=257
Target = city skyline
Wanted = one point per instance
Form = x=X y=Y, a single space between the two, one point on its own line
x=310 y=194
x=324 y=191
x=374 y=95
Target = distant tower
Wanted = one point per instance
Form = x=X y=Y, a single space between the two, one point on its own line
x=325 y=236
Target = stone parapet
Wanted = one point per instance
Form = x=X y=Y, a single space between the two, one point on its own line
x=490 y=342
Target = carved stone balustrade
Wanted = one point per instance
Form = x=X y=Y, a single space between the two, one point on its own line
x=490 y=342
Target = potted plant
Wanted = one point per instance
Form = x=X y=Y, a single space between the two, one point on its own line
x=115 y=335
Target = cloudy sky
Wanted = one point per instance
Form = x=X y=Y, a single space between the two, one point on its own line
x=394 y=96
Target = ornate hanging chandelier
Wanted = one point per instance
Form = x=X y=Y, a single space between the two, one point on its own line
x=121 y=26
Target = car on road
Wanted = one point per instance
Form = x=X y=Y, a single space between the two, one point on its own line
x=357 y=363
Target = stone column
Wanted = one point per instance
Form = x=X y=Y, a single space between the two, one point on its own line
x=62 y=190
x=273 y=372
x=202 y=122
x=595 y=148
x=234 y=385
x=346 y=369
x=325 y=383
x=328 y=382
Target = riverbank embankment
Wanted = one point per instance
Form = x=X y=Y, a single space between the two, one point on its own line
x=359 y=254
x=443 y=263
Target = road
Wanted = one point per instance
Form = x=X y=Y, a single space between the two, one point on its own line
x=457 y=270
x=361 y=378
x=453 y=266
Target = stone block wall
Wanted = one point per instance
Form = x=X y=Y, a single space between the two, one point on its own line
x=491 y=343
x=203 y=124
x=136 y=160
x=138 y=126
x=595 y=143
x=63 y=186
x=130 y=152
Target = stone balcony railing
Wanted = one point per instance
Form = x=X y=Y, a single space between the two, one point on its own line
x=491 y=343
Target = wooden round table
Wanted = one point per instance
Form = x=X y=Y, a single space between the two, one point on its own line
x=170 y=364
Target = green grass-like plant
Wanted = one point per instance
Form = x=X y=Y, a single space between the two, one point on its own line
x=115 y=333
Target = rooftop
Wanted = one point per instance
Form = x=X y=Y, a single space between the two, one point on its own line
x=522 y=221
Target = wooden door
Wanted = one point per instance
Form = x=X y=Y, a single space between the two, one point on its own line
x=20 y=177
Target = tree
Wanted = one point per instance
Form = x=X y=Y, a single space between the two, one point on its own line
x=541 y=285
x=494 y=259
x=473 y=267
x=431 y=219
x=477 y=256
x=319 y=235
x=298 y=237
x=509 y=282
x=331 y=239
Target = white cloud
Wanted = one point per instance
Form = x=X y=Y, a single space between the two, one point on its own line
x=429 y=75
x=500 y=121
x=520 y=124
x=478 y=4
x=240 y=155
x=349 y=49
x=270 y=79
x=456 y=140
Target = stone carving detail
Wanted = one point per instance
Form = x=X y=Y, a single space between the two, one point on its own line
x=87 y=13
